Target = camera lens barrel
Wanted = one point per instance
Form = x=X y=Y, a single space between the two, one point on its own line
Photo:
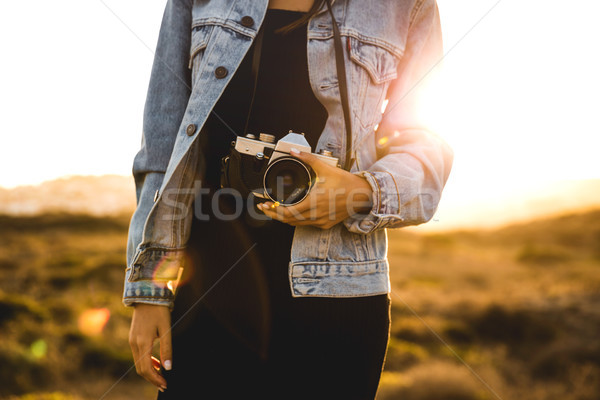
x=287 y=180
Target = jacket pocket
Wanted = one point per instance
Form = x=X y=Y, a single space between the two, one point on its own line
x=380 y=63
x=372 y=69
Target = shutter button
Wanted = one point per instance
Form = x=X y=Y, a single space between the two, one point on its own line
x=247 y=21
x=190 y=130
x=221 y=72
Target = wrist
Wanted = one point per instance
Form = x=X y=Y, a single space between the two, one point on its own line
x=147 y=306
x=362 y=195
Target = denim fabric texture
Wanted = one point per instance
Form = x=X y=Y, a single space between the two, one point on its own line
x=390 y=45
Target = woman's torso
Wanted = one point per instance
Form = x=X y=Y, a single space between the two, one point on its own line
x=334 y=262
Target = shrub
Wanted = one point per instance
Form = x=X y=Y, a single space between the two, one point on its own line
x=531 y=254
x=517 y=328
x=45 y=396
x=556 y=361
x=402 y=355
x=102 y=357
x=458 y=333
x=20 y=372
x=13 y=306
x=435 y=381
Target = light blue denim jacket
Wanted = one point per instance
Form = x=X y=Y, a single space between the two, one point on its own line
x=390 y=46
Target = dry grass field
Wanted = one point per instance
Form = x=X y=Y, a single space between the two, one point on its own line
x=512 y=313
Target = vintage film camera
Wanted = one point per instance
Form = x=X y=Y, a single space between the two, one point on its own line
x=268 y=171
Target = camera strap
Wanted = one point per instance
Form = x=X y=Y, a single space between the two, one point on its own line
x=255 y=67
x=342 y=83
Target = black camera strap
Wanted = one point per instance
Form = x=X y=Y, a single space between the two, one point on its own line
x=342 y=82
x=255 y=67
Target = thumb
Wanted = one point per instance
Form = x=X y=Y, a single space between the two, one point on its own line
x=310 y=159
x=166 y=352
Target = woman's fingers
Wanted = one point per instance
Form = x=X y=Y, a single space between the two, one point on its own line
x=166 y=353
x=146 y=369
x=303 y=210
x=316 y=164
x=299 y=214
x=295 y=219
x=283 y=214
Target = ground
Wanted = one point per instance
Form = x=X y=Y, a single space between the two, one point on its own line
x=510 y=313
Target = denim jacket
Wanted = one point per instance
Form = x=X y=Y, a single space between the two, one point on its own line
x=390 y=46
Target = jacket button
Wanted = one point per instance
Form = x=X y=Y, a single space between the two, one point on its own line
x=221 y=72
x=190 y=130
x=247 y=21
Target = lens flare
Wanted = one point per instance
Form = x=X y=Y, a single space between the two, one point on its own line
x=39 y=348
x=172 y=285
x=384 y=105
x=383 y=141
x=171 y=267
x=91 y=322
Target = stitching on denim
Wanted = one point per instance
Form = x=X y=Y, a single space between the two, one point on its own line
x=226 y=24
x=371 y=68
x=395 y=50
x=342 y=262
x=397 y=189
x=153 y=209
x=195 y=52
x=415 y=11
x=378 y=192
x=297 y=293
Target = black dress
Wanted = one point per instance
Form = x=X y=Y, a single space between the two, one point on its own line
x=237 y=330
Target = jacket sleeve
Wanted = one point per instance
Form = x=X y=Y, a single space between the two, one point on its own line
x=413 y=163
x=166 y=101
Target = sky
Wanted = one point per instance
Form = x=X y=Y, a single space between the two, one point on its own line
x=518 y=99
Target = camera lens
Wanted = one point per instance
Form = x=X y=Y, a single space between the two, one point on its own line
x=287 y=181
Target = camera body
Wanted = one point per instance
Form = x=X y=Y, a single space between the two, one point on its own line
x=267 y=170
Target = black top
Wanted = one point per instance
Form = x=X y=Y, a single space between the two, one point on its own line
x=284 y=100
x=258 y=249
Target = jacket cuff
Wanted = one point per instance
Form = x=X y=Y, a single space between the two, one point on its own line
x=153 y=277
x=386 y=204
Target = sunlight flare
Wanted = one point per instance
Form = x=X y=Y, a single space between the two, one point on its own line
x=92 y=322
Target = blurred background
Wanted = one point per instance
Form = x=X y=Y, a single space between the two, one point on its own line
x=498 y=297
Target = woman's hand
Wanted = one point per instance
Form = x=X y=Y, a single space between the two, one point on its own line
x=151 y=322
x=337 y=195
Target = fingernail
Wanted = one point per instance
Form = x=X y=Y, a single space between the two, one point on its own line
x=167 y=364
x=161 y=389
x=294 y=150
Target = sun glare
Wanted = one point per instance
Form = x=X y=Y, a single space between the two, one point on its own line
x=92 y=322
x=517 y=97
x=517 y=105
